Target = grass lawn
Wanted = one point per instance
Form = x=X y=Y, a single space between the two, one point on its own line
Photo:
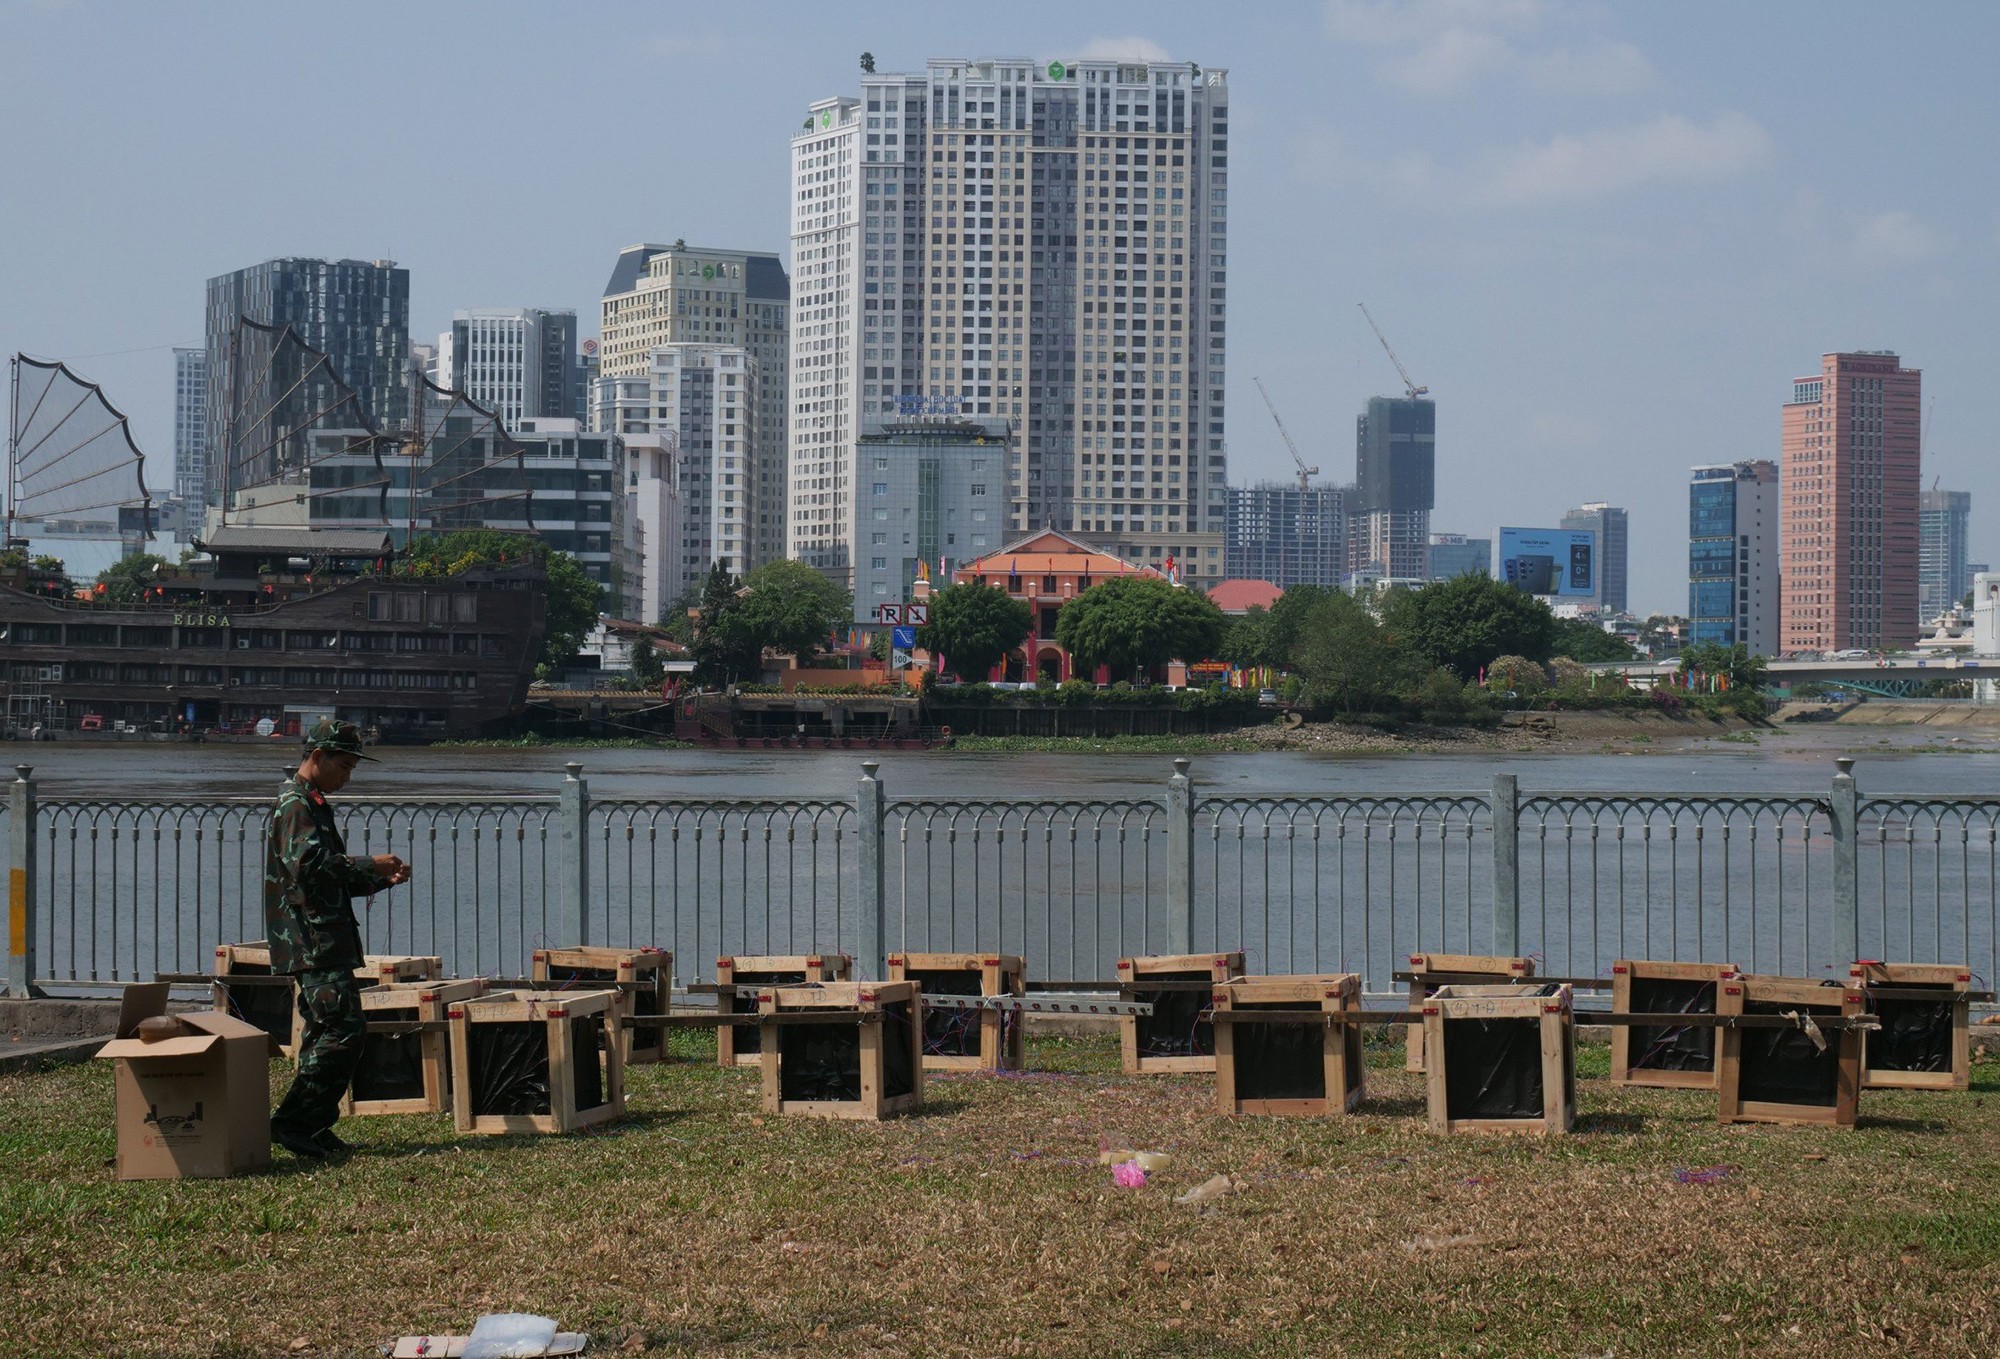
x=987 y=1227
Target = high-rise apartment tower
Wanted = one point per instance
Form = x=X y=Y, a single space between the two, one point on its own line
x=1610 y=524
x=682 y=294
x=1395 y=487
x=356 y=312
x=1943 y=575
x=1733 y=555
x=191 y=427
x=1042 y=246
x=1849 y=527
x=516 y=362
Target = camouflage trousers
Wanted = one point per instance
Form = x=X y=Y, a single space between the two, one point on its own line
x=329 y=1051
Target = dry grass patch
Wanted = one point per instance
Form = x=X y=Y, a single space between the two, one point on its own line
x=987 y=1226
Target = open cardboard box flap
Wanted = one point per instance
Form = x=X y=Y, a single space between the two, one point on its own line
x=146 y=999
x=451 y=1346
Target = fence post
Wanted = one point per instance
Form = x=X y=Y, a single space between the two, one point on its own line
x=1506 y=865
x=871 y=940
x=573 y=810
x=1846 y=922
x=1180 y=860
x=21 y=884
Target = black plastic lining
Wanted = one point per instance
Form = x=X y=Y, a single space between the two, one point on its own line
x=749 y=1038
x=269 y=1007
x=1916 y=1035
x=392 y=1065
x=508 y=1067
x=1493 y=1068
x=1784 y=1066
x=822 y=1061
x=645 y=1042
x=586 y=1037
x=1663 y=1049
x=1350 y=1037
x=1176 y=1027
x=949 y=1033
x=899 y=1072
x=1278 y=1061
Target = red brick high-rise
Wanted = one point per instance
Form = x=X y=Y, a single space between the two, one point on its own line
x=1849 y=484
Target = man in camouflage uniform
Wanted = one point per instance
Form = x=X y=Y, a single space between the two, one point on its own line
x=309 y=882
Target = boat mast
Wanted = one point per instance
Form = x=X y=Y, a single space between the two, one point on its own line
x=13 y=436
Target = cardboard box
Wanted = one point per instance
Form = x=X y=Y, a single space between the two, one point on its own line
x=193 y=1105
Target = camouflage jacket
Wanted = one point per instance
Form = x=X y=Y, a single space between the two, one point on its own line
x=309 y=879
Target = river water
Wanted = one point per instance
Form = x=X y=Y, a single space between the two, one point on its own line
x=1895 y=759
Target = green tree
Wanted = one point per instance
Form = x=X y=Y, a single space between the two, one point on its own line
x=677 y=621
x=1346 y=659
x=1465 y=622
x=1584 y=641
x=573 y=598
x=724 y=648
x=1135 y=623
x=128 y=578
x=973 y=627
x=789 y=607
x=1248 y=642
x=648 y=670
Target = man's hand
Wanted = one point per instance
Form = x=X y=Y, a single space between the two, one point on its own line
x=391 y=869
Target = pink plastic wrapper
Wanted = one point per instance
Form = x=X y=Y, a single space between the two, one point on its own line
x=1128 y=1175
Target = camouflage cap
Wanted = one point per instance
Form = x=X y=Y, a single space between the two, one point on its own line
x=336 y=738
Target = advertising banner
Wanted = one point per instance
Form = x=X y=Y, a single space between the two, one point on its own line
x=1559 y=563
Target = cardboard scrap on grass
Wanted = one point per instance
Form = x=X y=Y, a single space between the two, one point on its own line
x=497 y=1335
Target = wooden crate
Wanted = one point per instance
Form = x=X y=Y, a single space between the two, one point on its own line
x=1676 y=1059
x=528 y=1061
x=1490 y=968
x=275 y=1008
x=380 y=969
x=1781 y=1075
x=271 y=1006
x=579 y=967
x=870 y=1069
x=738 y=978
x=1294 y=1069
x=406 y=1073
x=1175 y=1037
x=967 y=1040
x=1922 y=1044
x=1500 y=1059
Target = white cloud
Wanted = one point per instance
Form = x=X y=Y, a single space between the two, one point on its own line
x=1669 y=149
x=1437 y=47
x=1451 y=60
x=1599 y=68
x=1122 y=49
x=1897 y=237
x=1379 y=23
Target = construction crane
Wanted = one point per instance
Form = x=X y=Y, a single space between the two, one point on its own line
x=1305 y=473
x=1410 y=389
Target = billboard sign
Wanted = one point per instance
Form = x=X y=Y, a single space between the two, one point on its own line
x=1555 y=563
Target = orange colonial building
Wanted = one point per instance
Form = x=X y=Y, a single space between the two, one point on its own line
x=1047 y=569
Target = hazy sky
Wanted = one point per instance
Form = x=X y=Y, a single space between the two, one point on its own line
x=1605 y=236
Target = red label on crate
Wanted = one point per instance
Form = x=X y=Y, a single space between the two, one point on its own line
x=989 y=962
x=1732 y=990
x=867 y=995
x=455 y=1012
x=1124 y=964
x=1619 y=969
x=1430 y=1009
x=895 y=960
x=559 y=1014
